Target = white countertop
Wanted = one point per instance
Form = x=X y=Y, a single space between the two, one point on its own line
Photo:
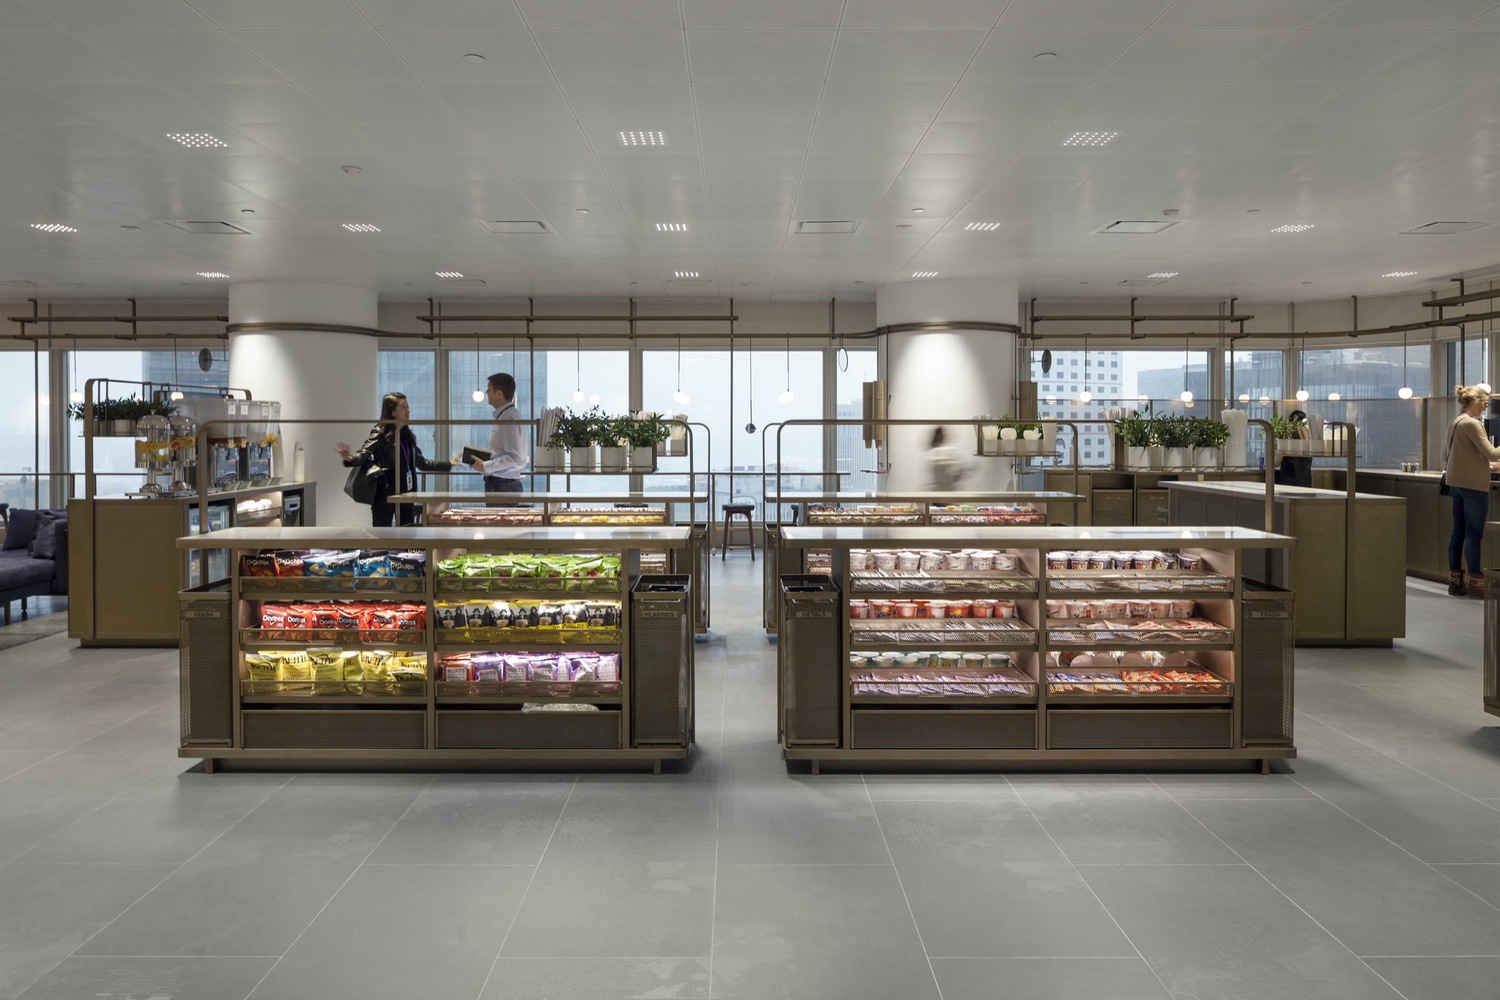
x=1258 y=490
x=1037 y=536
x=443 y=536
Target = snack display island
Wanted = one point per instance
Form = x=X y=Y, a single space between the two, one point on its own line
x=438 y=645
x=1039 y=646
x=639 y=509
x=959 y=511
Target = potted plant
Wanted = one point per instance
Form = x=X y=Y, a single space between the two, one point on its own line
x=1209 y=439
x=644 y=432
x=575 y=431
x=1176 y=434
x=611 y=434
x=1288 y=434
x=1135 y=437
x=989 y=435
x=1008 y=432
x=552 y=455
x=1031 y=438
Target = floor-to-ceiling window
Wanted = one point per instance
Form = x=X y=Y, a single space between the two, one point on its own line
x=772 y=387
x=851 y=456
x=25 y=422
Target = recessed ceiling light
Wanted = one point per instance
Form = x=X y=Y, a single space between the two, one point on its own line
x=918 y=211
x=1044 y=56
x=1251 y=211
x=924 y=274
x=905 y=225
x=671 y=227
x=981 y=227
x=361 y=227
x=53 y=227
x=1163 y=274
x=473 y=57
x=1294 y=227
x=581 y=211
x=212 y=274
x=685 y=274
x=1399 y=274
x=132 y=229
x=1089 y=138
x=643 y=138
x=198 y=140
x=247 y=211
x=448 y=274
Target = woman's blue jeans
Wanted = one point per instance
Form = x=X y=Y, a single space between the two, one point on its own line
x=1469 y=510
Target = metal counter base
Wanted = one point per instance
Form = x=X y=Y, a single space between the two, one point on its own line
x=1093 y=761
x=438 y=761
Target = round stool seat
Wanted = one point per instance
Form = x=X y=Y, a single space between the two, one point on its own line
x=739 y=508
x=731 y=511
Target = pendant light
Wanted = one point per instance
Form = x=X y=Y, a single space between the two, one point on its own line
x=1085 y=395
x=176 y=393
x=577 y=369
x=750 y=388
x=1187 y=394
x=76 y=396
x=1302 y=393
x=1405 y=391
x=478 y=395
x=679 y=397
x=787 y=396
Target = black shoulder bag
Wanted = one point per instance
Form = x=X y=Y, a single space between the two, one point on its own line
x=1443 y=490
x=362 y=481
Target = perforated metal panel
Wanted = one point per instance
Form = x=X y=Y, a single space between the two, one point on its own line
x=927 y=729
x=205 y=670
x=1138 y=729
x=514 y=730
x=810 y=651
x=770 y=589
x=1492 y=641
x=661 y=661
x=297 y=729
x=1267 y=668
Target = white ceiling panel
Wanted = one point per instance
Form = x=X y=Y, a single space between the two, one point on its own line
x=1072 y=13
x=1380 y=103
x=1259 y=102
x=630 y=105
x=976 y=138
x=866 y=137
x=832 y=167
x=800 y=15
x=253 y=103
x=474 y=103
x=1082 y=53
x=239 y=169
x=327 y=56
x=973 y=169
x=434 y=138
x=1488 y=21
x=305 y=15
x=763 y=102
x=759 y=55
x=1400 y=14
x=881 y=101
x=1007 y=101
x=1335 y=55
x=378 y=102
x=293 y=139
x=57 y=57
x=1204 y=137
x=438 y=56
x=1229 y=14
x=14 y=17
x=522 y=165
x=750 y=167
x=754 y=138
x=136 y=107
x=980 y=14
x=23 y=106
x=615 y=55
x=125 y=15
x=443 y=15
x=80 y=141
x=1114 y=104
x=185 y=56
x=674 y=169
x=903 y=55
x=549 y=15
x=534 y=139
x=1412 y=138
x=1478 y=106
x=1315 y=138
x=1191 y=54
x=1462 y=59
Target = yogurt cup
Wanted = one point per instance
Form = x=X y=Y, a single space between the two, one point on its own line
x=982 y=608
x=885 y=561
x=956 y=560
x=949 y=661
x=930 y=561
x=997 y=661
x=1055 y=609
x=1138 y=609
x=860 y=561
x=882 y=609
x=1005 y=609
x=908 y=562
x=1059 y=560
x=1005 y=562
x=1159 y=609
x=960 y=609
x=937 y=609
x=973 y=661
x=1182 y=608
x=859 y=609
x=982 y=560
x=905 y=609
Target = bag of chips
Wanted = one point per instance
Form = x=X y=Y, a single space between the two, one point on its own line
x=257 y=564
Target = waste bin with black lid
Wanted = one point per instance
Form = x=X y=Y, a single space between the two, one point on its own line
x=809 y=652
x=661 y=661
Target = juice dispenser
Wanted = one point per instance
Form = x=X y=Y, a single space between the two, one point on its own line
x=153 y=450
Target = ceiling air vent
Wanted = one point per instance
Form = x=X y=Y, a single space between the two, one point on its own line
x=1141 y=282
x=1442 y=228
x=1136 y=227
x=463 y=282
x=506 y=227
x=826 y=226
x=208 y=228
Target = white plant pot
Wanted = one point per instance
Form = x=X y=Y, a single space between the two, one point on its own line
x=1176 y=458
x=550 y=459
x=1206 y=458
x=581 y=458
x=1007 y=434
x=1031 y=446
x=1137 y=458
x=1010 y=446
x=612 y=458
x=1294 y=446
x=989 y=446
x=122 y=428
x=643 y=459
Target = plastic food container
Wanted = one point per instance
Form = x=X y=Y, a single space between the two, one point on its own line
x=885 y=561
x=1005 y=562
x=906 y=609
x=1182 y=608
x=908 y=562
x=956 y=560
x=859 y=609
x=882 y=609
x=930 y=561
x=1005 y=609
x=981 y=560
x=1055 y=609
x=982 y=609
x=860 y=561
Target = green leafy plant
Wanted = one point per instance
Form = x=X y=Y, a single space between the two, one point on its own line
x=1210 y=433
x=1175 y=431
x=1286 y=430
x=1135 y=430
x=646 y=432
x=607 y=431
x=574 y=430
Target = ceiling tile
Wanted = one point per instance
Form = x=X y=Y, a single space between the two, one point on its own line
x=682 y=137
x=630 y=105
x=662 y=168
x=294 y=139
x=1082 y=53
x=879 y=101
x=881 y=14
x=785 y=102
x=1028 y=101
x=443 y=15
x=903 y=55
x=1462 y=59
x=852 y=166
x=304 y=15
x=754 y=138
x=124 y=15
x=42 y=58
x=800 y=15
x=752 y=167
x=978 y=138
x=615 y=55
x=327 y=56
x=248 y=103
x=759 y=55
x=134 y=107
x=14 y=17
x=1370 y=102
x=1190 y=54
x=378 y=102
x=534 y=139
x=564 y=15
x=524 y=165
x=866 y=137
x=267 y=167
x=436 y=138
x=1094 y=13
x=438 y=56
x=1259 y=102
x=84 y=141
x=1226 y=14
x=1112 y=105
x=1334 y=55
x=1313 y=138
x=475 y=103
x=185 y=56
x=1399 y=14
x=23 y=105
x=1482 y=105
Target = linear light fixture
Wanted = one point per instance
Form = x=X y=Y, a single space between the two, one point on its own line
x=361 y=227
x=981 y=227
x=53 y=227
x=212 y=274
x=643 y=138
x=671 y=227
x=1399 y=274
x=685 y=274
x=448 y=274
x=1090 y=138
x=198 y=140
x=1163 y=274
x=1294 y=227
x=924 y=274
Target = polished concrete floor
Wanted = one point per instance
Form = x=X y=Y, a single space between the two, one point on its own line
x=1369 y=867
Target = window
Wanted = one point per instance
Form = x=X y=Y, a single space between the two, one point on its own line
x=25 y=440
x=414 y=374
x=850 y=453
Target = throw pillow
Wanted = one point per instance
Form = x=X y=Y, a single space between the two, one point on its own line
x=21 y=529
x=44 y=545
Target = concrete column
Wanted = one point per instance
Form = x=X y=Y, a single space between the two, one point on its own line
x=953 y=374
x=315 y=375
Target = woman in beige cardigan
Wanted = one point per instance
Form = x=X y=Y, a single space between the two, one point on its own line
x=1468 y=458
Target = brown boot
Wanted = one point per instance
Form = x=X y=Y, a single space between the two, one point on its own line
x=1476 y=586
x=1456 y=586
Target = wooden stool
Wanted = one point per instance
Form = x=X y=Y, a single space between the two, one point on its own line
x=745 y=510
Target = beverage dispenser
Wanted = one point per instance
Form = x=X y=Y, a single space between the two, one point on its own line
x=153 y=450
x=184 y=453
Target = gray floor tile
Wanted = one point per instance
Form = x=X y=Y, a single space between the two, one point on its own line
x=475 y=824
x=442 y=927
x=1007 y=909
x=1187 y=787
x=324 y=786
x=613 y=905
x=13 y=762
x=799 y=824
x=965 y=832
x=826 y=932
x=1220 y=932
x=1125 y=824
x=892 y=787
x=74 y=774
x=1367 y=892
x=598 y=979
x=126 y=978
x=28 y=821
x=1048 y=979
x=1311 y=735
x=1441 y=978
x=52 y=909
x=338 y=830
x=1482 y=880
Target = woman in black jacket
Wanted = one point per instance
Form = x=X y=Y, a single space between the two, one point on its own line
x=379 y=450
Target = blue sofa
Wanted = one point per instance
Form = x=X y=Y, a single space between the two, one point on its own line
x=33 y=555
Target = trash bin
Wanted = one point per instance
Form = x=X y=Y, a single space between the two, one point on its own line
x=1267 y=664
x=809 y=652
x=661 y=661
x=205 y=666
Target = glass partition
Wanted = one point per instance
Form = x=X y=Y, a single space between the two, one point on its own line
x=25 y=439
x=850 y=454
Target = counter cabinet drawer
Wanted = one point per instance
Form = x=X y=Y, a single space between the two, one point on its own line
x=1139 y=729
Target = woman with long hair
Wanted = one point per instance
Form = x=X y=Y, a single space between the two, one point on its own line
x=380 y=450
x=1468 y=458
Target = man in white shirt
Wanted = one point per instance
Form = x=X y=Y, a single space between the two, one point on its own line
x=502 y=470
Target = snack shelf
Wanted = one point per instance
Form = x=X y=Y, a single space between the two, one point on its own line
x=446 y=641
x=947 y=698
x=943 y=582
x=330 y=697
x=451 y=693
x=1094 y=633
x=1105 y=686
x=1175 y=583
x=267 y=589
x=282 y=638
x=977 y=642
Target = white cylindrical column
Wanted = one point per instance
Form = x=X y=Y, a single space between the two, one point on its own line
x=314 y=375
x=947 y=374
